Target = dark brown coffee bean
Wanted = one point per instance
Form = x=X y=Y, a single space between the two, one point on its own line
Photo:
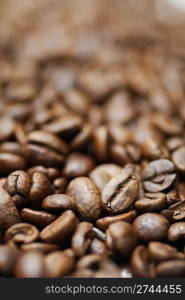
x=10 y=162
x=141 y=263
x=78 y=164
x=151 y=202
x=101 y=143
x=18 y=182
x=161 y=251
x=158 y=175
x=58 y=264
x=82 y=138
x=103 y=173
x=51 y=173
x=129 y=216
x=40 y=188
x=151 y=227
x=30 y=264
x=57 y=203
x=8 y=211
x=98 y=247
x=176 y=231
x=85 y=197
x=120 y=192
x=171 y=268
x=40 y=155
x=121 y=238
x=47 y=139
x=178 y=157
x=8 y=256
x=21 y=233
x=59 y=185
x=37 y=217
x=60 y=229
x=42 y=247
x=81 y=238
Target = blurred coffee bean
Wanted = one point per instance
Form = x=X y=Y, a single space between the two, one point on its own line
x=81 y=138
x=141 y=263
x=58 y=264
x=60 y=229
x=41 y=247
x=85 y=197
x=57 y=203
x=152 y=150
x=66 y=125
x=21 y=233
x=78 y=164
x=11 y=147
x=98 y=247
x=176 y=231
x=121 y=238
x=8 y=256
x=158 y=175
x=171 y=268
x=6 y=128
x=101 y=143
x=59 y=185
x=151 y=226
x=178 y=158
x=161 y=252
x=81 y=238
x=10 y=162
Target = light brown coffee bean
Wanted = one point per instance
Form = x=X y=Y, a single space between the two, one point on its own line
x=129 y=216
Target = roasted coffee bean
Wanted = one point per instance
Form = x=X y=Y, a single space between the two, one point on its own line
x=20 y=133
x=6 y=128
x=158 y=175
x=152 y=202
x=174 y=143
x=47 y=139
x=11 y=147
x=81 y=238
x=176 y=231
x=82 y=138
x=103 y=173
x=21 y=233
x=40 y=155
x=8 y=211
x=57 y=203
x=40 y=188
x=60 y=229
x=178 y=157
x=161 y=252
x=10 y=162
x=90 y=261
x=37 y=217
x=30 y=264
x=78 y=165
x=152 y=150
x=120 y=192
x=18 y=182
x=141 y=263
x=125 y=154
x=66 y=125
x=85 y=197
x=181 y=190
x=151 y=227
x=98 y=247
x=59 y=185
x=178 y=210
x=120 y=134
x=168 y=125
x=101 y=143
x=129 y=216
x=171 y=268
x=8 y=256
x=121 y=238
x=51 y=173
x=38 y=246
x=58 y=264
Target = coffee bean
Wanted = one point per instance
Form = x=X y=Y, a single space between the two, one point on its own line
x=98 y=247
x=178 y=157
x=176 y=231
x=152 y=150
x=129 y=216
x=8 y=256
x=158 y=175
x=57 y=203
x=11 y=147
x=121 y=238
x=40 y=188
x=81 y=238
x=59 y=185
x=51 y=173
x=78 y=165
x=30 y=264
x=178 y=210
x=41 y=247
x=37 y=217
x=8 y=211
x=60 y=229
x=171 y=268
x=152 y=202
x=18 y=182
x=40 y=155
x=58 y=264
x=85 y=197
x=101 y=143
x=151 y=227
x=21 y=233
x=161 y=252
x=141 y=263
x=120 y=192
x=47 y=139
x=10 y=162
x=81 y=138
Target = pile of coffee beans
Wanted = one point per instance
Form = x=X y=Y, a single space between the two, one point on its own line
x=92 y=161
